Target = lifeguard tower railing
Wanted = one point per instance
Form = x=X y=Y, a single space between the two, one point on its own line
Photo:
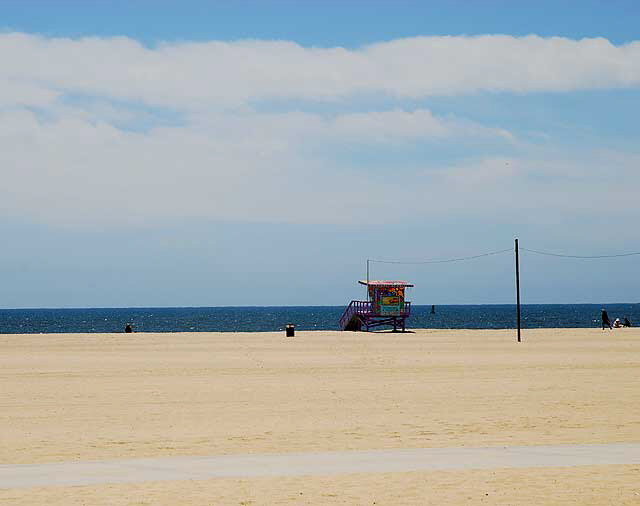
x=359 y=315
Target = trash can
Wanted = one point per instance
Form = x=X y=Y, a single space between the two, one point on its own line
x=290 y=330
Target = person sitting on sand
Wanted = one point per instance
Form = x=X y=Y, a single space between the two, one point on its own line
x=128 y=329
x=617 y=324
x=626 y=323
x=605 y=319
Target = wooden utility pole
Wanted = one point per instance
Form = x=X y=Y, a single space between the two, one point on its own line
x=518 y=288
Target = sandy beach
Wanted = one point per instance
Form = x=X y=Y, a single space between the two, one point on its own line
x=77 y=397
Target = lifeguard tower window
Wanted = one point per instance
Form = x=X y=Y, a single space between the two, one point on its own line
x=386 y=307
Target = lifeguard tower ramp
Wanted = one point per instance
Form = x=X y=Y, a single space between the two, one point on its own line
x=386 y=307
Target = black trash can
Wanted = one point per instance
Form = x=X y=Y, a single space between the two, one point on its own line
x=290 y=330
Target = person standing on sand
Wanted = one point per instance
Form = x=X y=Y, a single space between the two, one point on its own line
x=605 y=319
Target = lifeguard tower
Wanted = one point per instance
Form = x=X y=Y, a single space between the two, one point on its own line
x=386 y=307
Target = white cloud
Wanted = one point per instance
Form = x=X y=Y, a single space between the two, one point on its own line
x=231 y=74
x=72 y=171
x=75 y=169
x=373 y=127
x=16 y=93
x=398 y=126
x=599 y=183
x=65 y=160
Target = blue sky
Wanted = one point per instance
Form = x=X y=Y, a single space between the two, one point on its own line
x=325 y=23
x=256 y=153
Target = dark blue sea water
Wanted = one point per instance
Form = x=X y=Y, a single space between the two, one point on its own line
x=263 y=319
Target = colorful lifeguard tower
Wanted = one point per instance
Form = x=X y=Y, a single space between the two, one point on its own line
x=386 y=307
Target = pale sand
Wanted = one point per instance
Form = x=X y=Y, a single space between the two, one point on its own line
x=74 y=396
x=597 y=485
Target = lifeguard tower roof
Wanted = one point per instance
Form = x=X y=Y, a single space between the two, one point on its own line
x=378 y=282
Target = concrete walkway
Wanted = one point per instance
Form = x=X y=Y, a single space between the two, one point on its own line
x=297 y=464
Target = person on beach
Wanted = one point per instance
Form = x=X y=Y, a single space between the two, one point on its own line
x=605 y=320
x=617 y=324
x=128 y=329
x=626 y=323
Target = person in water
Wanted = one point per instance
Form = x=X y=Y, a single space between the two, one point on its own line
x=605 y=320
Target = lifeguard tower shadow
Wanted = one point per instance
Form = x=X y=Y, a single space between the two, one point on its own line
x=386 y=307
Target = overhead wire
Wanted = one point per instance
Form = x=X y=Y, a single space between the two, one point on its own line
x=548 y=253
x=498 y=252
x=448 y=260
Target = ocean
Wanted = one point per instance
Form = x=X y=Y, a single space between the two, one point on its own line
x=268 y=319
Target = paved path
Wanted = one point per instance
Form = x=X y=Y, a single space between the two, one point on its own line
x=297 y=464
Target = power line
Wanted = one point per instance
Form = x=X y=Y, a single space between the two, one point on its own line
x=498 y=252
x=548 y=253
x=448 y=260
